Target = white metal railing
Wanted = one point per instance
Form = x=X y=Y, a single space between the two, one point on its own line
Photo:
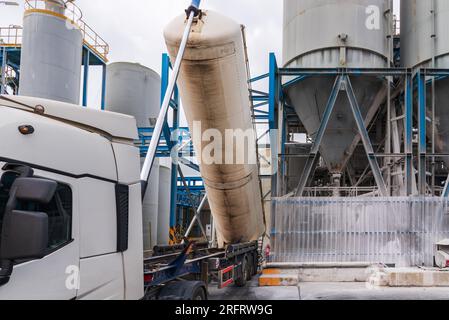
x=11 y=36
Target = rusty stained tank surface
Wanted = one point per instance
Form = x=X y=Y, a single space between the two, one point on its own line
x=214 y=91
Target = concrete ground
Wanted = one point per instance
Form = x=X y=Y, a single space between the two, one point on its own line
x=326 y=291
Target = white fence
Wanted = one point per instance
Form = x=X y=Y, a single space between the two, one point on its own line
x=400 y=231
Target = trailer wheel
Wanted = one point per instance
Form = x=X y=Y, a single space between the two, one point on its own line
x=253 y=264
x=184 y=290
x=241 y=280
x=250 y=273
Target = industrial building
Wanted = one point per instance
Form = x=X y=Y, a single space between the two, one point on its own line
x=346 y=165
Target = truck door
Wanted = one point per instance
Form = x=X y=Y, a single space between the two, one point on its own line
x=55 y=276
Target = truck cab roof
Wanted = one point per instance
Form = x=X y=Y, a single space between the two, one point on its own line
x=112 y=124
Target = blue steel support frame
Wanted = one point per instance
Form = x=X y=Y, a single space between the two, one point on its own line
x=422 y=119
x=409 y=133
x=103 y=86
x=276 y=102
x=166 y=66
x=4 y=56
x=86 y=58
x=90 y=58
x=274 y=115
x=422 y=82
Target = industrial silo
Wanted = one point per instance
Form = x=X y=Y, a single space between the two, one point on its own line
x=134 y=90
x=51 y=54
x=425 y=44
x=330 y=33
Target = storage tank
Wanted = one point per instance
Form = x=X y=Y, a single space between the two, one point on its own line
x=330 y=33
x=150 y=209
x=134 y=90
x=51 y=55
x=214 y=91
x=425 y=36
x=163 y=221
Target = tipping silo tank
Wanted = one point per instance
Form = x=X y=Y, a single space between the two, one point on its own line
x=333 y=34
x=134 y=90
x=51 y=54
x=214 y=91
x=425 y=44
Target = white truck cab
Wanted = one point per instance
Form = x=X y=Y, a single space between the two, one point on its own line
x=70 y=202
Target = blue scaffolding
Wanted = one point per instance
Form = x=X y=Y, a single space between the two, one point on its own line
x=279 y=114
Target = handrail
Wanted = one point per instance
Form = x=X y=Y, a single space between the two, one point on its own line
x=73 y=13
x=11 y=36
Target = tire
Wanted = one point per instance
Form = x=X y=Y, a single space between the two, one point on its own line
x=199 y=294
x=241 y=280
x=184 y=290
x=253 y=265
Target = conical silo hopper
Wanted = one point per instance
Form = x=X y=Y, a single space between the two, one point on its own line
x=425 y=44
x=331 y=34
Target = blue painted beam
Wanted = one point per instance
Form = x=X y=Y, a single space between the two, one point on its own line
x=103 y=87
x=86 y=59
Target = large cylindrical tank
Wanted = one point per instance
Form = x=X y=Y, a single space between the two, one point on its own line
x=331 y=33
x=214 y=91
x=134 y=90
x=425 y=36
x=163 y=220
x=51 y=55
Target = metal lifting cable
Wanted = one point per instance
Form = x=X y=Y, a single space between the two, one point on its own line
x=192 y=12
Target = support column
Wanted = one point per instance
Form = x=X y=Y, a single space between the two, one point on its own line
x=409 y=174
x=3 y=79
x=86 y=76
x=103 y=87
x=422 y=118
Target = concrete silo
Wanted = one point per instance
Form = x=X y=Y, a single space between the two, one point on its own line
x=134 y=90
x=333 y=34
x=51 y=54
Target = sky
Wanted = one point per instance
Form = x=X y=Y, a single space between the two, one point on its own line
x=134 y=29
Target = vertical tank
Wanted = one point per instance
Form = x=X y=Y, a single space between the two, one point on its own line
x=163 y=221
x=330 y=33
x=214 y=88
x=51 y=55
x=425 y=44
x=134 y=90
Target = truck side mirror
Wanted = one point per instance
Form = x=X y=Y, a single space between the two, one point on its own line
x=25 y=233
x=33 y=190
